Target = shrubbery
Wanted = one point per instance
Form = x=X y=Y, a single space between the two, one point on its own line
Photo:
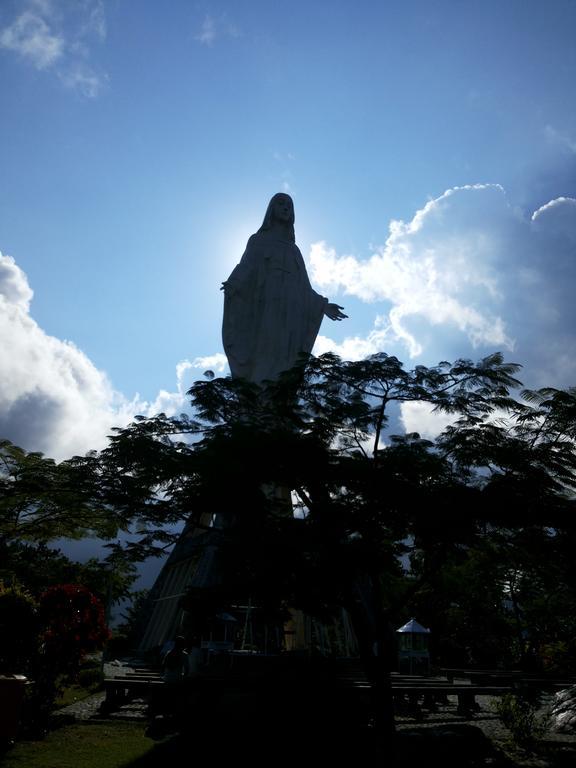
x=19 y=629
x=47 y=639
x=519 y=713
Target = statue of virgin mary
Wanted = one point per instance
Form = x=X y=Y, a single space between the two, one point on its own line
x=272 y=314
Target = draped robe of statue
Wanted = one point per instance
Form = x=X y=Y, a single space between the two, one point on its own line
x=272 y=314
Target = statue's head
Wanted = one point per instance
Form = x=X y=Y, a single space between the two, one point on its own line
x=280 y=211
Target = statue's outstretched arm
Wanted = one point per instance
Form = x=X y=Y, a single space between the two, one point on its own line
x=333 y=312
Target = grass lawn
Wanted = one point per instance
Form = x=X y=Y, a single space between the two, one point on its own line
x=74 y=693
x=83 y=745
x=89 y=681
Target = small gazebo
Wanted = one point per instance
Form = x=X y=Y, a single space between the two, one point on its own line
x=413 y=650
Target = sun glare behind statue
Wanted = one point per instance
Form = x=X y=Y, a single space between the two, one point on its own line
x=244 y=220
x=231 y=243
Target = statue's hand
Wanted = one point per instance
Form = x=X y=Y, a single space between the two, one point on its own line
x=333 y=312
x=229 y=288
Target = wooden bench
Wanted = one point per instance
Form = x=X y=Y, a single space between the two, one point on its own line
x=516 y=678
x=138 y=676
x=149 y=685
x=430 y=690
x=467 y=673
x=120 y=690
x=466 y=695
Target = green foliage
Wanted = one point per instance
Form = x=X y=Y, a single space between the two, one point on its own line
x=90 y=678
x=38 y=566
x=87 y=682
x=19 y=629
x=47 y=639
x=41 y=500
x=484 y=513
x=461 y=596
x=520 y=715
x=559 y=656
x=109 y=579
x=131 y=628
x=72 y=625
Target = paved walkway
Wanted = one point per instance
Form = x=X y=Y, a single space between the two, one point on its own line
x=89 y=708
x=84 y=709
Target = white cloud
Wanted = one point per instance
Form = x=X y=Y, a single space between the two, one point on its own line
x=557 y=217
x=216 y=362
x=14 y=285
x=286 y=176
x=52 y=397
x=469 y=271
x=95 y=20
x=57 y=36
x=216 y=27
x=33 y=39
x=357 y=347
x=429 y=267
x=420 y=417
x=87 y=82
x=166 y=402
x=560 y=139
x=207 y=33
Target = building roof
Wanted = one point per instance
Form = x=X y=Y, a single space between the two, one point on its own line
x=414 y=627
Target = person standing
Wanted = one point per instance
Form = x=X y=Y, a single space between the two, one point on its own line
x=175 y=662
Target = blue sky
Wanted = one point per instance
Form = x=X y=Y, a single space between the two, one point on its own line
x=429 y=146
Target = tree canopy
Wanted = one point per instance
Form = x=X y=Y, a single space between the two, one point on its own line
x=41 y=503
x=486 y=508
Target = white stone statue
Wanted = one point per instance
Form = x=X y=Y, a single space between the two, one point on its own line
x=272 y=314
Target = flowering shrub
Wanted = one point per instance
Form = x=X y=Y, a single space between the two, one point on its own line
x=47 y=640
x=73 y=625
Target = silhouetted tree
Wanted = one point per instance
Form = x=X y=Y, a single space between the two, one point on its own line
x=41 y=500
x=385 y=523
x=367 y=501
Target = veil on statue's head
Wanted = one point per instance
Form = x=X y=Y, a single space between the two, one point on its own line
x=268 y=217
